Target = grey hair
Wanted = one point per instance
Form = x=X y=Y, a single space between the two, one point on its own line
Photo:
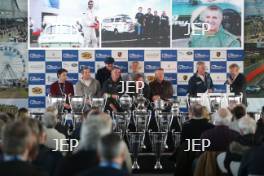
x=16 y=136
x=247 y=125
x=93 y=128
x=222 y=117
x=49 y=120
x=110 y=146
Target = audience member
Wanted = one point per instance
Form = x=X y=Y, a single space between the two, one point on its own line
x=238 y=112
x=111 y=150
x=50 y=120
x=18 y=143
x=93 y=128
x=22 y=114
x=220 y=136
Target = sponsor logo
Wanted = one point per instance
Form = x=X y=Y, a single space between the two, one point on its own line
x=235 y=55
x=36 y=55
x=37 y=90
x=68 y=56
x=151 y=67
x=86 y=55
x=36 y=102
x=36 y=79
x=135 y=56
x=217 y=67
x=119 y=54
x=53 y=67
x=167 y=56
x=184 y=67
x=201 y=55
x=102 y=54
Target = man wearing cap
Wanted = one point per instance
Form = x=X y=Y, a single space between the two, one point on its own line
x=104 y=73
x=89 y=25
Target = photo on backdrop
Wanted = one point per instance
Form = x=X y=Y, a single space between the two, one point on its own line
x=64 y=24
x=13 y=51
x=138 y=23
x=207 y=23
x=254 y=23
x=254 y=69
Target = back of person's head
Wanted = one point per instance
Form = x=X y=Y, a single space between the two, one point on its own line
x=49 y=120
x=239 y=111
x=4 y=117
x=93 y=128
x=111 y=148
x=196 y=111
x=52 y=109
x=16 y=138
x=222 y=117
x=247 y=125
x=22 y=114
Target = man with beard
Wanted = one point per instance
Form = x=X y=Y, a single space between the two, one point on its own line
x=89 y=24
x=148 y=18
x=156 y=24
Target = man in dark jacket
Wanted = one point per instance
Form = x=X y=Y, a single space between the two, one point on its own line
x=112 y=89
x=193 y=128
x=201 y=81
x=237 y=82
x=104 y=73
x=112 y=155
x=220 y=136
x=148 y=18
x=160 y=88
x=19 y=143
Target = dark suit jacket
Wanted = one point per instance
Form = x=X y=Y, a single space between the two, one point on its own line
x=239 y=86
x=103 y=171
x=220 y=137
x=19 y=168
x=163 y=89
x=252 y=162
x=102 y=75
x=76 y=163
x=193 y=129
x=47 y=159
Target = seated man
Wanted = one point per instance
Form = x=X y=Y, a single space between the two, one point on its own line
x=87 y=86
x=111 y=150
x=201 y=81
x=104 y=73
x=112 y=89
x=160 y=88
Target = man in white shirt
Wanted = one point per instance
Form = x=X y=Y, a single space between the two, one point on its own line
x=89 y=24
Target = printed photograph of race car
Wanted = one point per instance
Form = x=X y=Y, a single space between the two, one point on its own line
x=138 y=23
x=254 y=71
x=207 y=23
x=58 y=24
